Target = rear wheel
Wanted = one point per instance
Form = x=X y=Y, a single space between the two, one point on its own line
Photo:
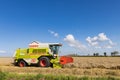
x=21 y=63
x=44 y=62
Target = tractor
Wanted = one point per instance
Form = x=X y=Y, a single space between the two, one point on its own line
x=41 y=54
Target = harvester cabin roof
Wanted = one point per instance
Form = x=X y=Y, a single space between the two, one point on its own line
x=38 y=44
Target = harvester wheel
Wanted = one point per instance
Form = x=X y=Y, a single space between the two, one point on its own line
x=21 y=63
x=44 y=62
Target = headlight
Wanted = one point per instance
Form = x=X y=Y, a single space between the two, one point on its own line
x=55 y=55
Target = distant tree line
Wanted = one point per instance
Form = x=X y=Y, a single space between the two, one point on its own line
x=114 y=53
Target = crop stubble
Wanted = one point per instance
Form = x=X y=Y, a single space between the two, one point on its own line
x=91 y=66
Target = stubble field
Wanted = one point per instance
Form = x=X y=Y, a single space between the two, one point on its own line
x=82 y=66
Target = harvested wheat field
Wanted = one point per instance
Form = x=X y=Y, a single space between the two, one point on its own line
x=82 y=66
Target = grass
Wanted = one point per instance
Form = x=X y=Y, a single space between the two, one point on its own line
x=13 y=76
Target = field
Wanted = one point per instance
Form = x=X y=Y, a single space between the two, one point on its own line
x=82 y=66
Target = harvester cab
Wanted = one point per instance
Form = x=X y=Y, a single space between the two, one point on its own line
x=42 y=54
x=54 y=49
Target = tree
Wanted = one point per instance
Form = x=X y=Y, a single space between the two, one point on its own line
x=105 y=54
x=95 y=54
x=115 y=53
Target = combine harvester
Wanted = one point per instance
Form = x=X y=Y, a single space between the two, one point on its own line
x=41 y=54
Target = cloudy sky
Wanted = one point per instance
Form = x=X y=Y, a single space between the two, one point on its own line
x=82 y=26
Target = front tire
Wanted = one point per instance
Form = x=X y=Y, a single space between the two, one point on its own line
x=44 y=62
x=22 y=63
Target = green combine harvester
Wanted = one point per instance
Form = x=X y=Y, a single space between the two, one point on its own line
x=41 y=54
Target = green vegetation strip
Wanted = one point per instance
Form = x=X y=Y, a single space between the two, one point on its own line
x=13 y=76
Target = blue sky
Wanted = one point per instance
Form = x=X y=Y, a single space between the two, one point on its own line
x=82 y=26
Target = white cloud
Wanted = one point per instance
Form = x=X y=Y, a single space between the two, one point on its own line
x=102 y=37
x=2 y=51
x=73 y=42
x=100 y=41
x=53 y=33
